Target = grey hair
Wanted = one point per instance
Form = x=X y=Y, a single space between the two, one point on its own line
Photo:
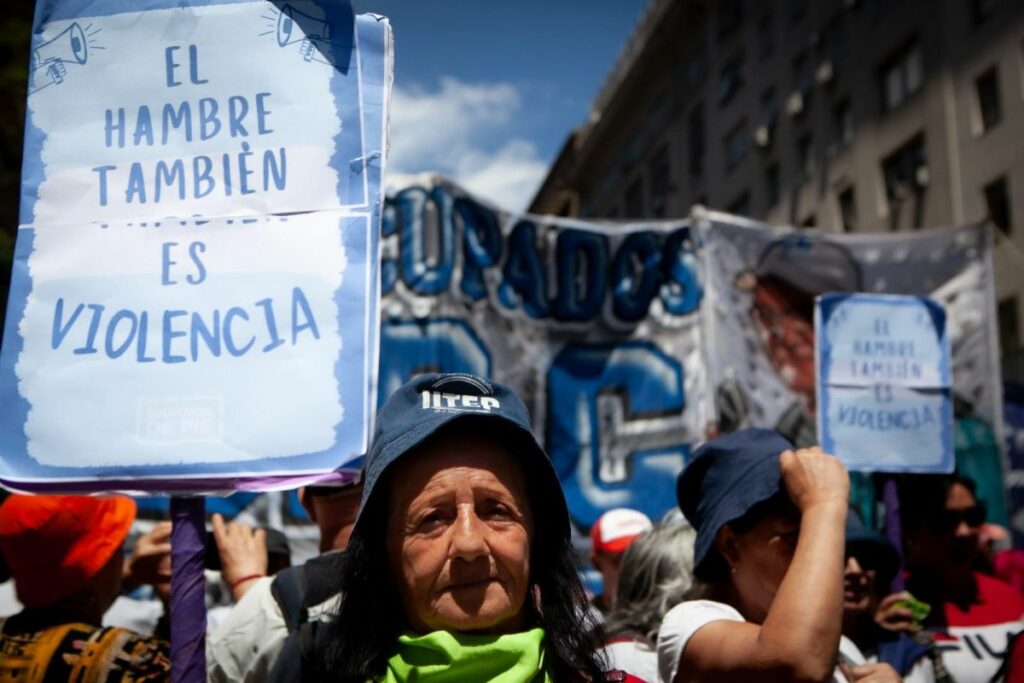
x=657 y=570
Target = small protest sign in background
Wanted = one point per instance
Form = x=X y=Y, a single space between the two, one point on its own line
x=884 y=382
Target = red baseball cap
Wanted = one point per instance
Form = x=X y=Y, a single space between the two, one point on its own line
x=55 y=545
x=616 y=529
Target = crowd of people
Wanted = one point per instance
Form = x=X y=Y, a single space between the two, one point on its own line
x=452 y=559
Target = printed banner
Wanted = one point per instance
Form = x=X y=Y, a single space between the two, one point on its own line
x=597 y=326
x=195 y=293
x=761 y=284
x=884 y=382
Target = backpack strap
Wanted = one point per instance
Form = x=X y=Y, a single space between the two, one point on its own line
x=289 y=591
x=320 y=575
x=296 y=589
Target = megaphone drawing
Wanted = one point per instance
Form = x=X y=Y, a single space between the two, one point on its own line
x=49 y=59
x=297 y=27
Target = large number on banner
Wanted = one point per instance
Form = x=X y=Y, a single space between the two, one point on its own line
x=615 y=428
x=411 y=347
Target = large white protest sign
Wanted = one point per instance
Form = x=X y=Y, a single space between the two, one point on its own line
x=195 y=283
x=884 y=382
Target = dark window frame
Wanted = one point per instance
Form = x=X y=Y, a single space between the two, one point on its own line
x=988 y=99
x=900 y=65
x=996 y=194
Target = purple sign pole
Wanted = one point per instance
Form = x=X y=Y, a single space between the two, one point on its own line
x=892 y=525
x=188 y=595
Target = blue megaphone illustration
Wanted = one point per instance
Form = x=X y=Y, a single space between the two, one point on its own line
x=295 y=26
x=49 y=58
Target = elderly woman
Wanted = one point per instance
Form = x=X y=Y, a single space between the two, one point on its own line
x=769 y=558
x=656 y=572
x=459 y=566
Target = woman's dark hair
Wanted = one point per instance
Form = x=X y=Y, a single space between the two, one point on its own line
x=923 y=497
x=370 y=616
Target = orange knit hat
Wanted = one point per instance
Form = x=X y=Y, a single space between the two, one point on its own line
x=55 y=545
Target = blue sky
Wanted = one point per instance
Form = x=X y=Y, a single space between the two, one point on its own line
x=486 y=91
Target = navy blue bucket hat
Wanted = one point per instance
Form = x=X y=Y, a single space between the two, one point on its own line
x=872 y=549
x=726 y=478
x=426 y=404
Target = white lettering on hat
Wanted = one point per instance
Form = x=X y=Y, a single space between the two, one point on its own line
x=445 y=401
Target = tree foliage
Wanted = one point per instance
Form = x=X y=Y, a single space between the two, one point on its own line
x=15 y=36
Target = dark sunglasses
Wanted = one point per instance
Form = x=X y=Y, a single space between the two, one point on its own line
x=974 y=517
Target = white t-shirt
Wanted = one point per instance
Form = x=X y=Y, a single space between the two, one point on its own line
x=686 y=618
x=635 y=657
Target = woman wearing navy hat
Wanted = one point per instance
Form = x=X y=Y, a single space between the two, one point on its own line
x=769 y=557
x=872 y=562
x=459 y=567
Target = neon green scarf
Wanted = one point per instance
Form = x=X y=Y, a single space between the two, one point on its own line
x=443 y=657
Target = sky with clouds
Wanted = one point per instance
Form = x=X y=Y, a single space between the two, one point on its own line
x=486 y=91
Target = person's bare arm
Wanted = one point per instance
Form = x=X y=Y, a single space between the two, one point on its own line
x=799 y=638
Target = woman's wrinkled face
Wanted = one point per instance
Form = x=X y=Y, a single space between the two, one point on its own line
x=459 y=535
x=759 y=558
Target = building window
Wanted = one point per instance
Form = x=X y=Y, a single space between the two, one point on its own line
x=835 y=40
x=736 y=144
x=695 y=138
x=730 y=17
x=697 y=67
x=730 y=79
x=772 y=185
x=803 y=73
x=843 y=117
x=901 y=76
x=906 y=175
x=769 y=108
x=797 y=10
x=990 y=109
x=661 y=181
x=741 y=205
x=805 y=156
x=981 y=10
x=809 y=221
x=848 y=209
x=1009 y=326
x=765 y=37
x=634 y=204
x=997 y=201
x=764 y=133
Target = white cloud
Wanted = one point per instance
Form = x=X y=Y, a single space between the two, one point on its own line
x=452 y=130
